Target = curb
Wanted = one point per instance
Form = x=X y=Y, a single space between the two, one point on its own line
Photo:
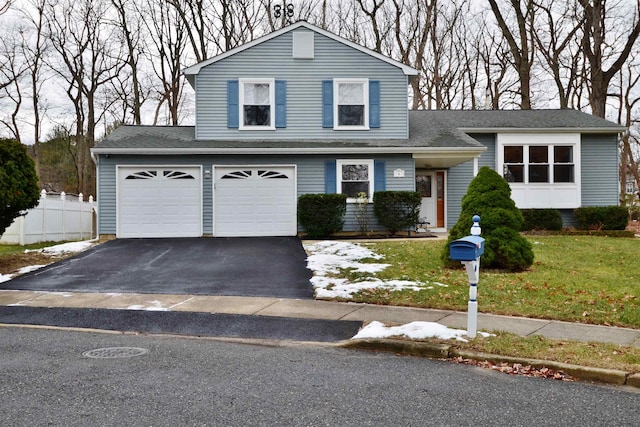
x=444 y=351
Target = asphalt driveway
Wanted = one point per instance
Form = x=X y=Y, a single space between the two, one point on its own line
x=260 y=266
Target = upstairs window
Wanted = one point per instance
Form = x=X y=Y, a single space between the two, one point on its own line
x=351 y=109
x=257 y=99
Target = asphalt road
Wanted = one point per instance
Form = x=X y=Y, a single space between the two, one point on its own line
x=46 y=380
x=264 y=266
x=184 y=323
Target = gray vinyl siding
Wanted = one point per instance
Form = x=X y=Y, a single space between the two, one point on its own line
x=459 y=177
x=599 y=158
x=310 y=179
x=273 y=59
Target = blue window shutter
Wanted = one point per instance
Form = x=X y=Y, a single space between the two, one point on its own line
x=232 y=104
x=327 y=104
x=281 y=104
x=374 y=103
x=380 y=179
x=330 y=181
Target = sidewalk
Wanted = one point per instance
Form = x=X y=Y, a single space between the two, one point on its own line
x=312 y=309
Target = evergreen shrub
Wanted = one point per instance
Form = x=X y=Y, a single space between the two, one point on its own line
x=489 y=196
x=541 y=219
x=602 y=217
x=321 y=214
x=397 y=210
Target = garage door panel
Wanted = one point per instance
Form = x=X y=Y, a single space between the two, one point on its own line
x=255 y=201
x=159 y=202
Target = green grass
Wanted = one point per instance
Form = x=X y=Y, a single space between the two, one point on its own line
x=574 y=278
x=17 y=249
x=597 y=355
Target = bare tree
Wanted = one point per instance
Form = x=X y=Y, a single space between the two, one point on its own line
x=34 y=46
x=12 y=70
x=520 y=43
x=412 y=24
x=375 y=21
x=599 y=51
x=5 y=5
x=166 y=46
x=558 y=39
x=129 y=24
x=87 y=61
x=627 y=94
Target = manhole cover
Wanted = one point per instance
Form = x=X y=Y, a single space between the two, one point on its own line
x=115 y=352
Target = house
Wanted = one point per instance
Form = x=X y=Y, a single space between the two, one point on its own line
x=302 y=110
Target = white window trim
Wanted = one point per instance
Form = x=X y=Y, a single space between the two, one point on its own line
x=272 y=103
x=539 y=195
x=368 y=162
x=365 y=85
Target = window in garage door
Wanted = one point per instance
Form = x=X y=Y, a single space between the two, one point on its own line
x=159 y=202
x=255 y=201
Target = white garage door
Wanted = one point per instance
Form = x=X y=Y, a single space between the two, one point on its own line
x=159 y=202
x=255 y=201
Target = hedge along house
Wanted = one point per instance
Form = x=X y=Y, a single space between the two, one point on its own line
x=302 y=110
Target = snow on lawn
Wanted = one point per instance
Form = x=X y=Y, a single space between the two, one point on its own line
x=64 y=248
x=327 y=258
x=413 y=330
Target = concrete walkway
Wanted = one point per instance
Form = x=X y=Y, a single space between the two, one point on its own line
x=311 y=309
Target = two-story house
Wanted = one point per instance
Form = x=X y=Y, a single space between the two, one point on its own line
x=302 y=110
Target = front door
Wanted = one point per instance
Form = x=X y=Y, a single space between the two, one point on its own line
x=431 y=186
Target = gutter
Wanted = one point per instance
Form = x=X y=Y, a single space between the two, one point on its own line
x=601 y=130
x=292 y=150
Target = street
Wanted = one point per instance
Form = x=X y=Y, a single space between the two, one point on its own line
x=46 y=380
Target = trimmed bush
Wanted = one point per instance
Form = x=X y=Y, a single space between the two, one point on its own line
x=602 y=217
x=397 y=210
x=489 y=196
x=541 y=219
x=321 y=214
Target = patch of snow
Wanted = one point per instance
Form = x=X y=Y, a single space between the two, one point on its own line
x=327 y=258
x=29 y=268
x=70 y=247
x=330 y=257
x=413 y=330
x=5 y=277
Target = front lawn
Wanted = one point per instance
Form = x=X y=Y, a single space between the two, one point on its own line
x=574 y=278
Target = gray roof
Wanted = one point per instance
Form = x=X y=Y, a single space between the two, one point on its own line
x=515 y=120
x=430 y=132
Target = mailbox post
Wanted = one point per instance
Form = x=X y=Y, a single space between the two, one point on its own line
x=468 y=251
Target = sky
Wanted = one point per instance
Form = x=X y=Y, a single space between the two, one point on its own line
x=325 y=258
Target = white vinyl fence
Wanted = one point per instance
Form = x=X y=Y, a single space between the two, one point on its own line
x=57 y=217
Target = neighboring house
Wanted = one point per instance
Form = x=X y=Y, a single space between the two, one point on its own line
x=302 y=110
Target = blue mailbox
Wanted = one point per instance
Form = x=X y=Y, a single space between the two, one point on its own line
x=468 y=248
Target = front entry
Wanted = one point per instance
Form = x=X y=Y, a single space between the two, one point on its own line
x=431 y=186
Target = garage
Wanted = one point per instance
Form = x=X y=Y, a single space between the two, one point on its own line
x=159 y=201
x=255 y=201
